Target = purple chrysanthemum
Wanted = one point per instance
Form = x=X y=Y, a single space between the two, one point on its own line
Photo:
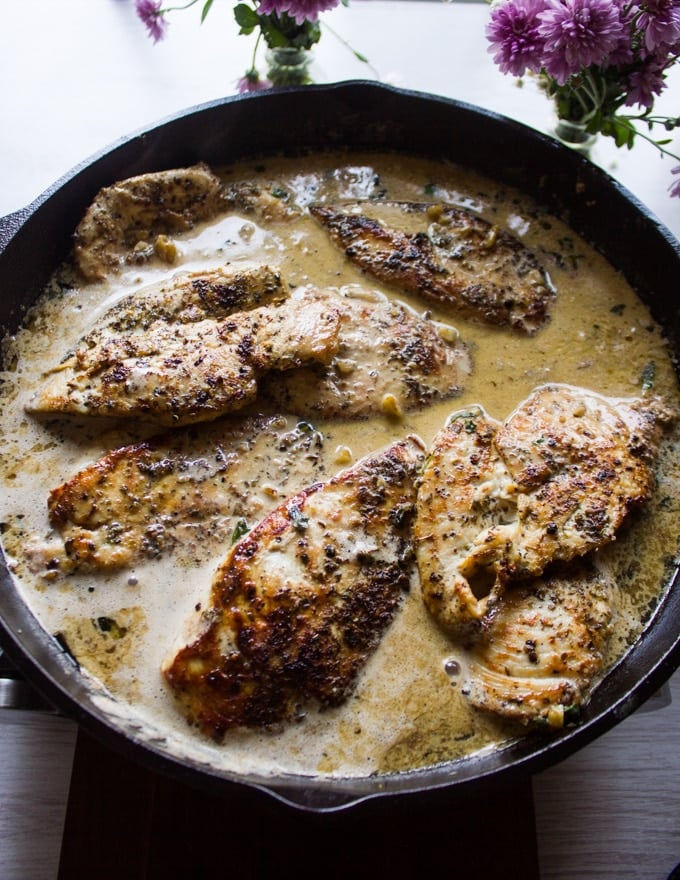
x=660 y=23
x=152 y=15
x=513 y=36
x=645 y=83
x=579 y=33
x=251 y=82
x=624 y=51
x=300 y=10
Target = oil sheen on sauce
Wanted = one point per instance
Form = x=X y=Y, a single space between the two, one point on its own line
x=408 y=710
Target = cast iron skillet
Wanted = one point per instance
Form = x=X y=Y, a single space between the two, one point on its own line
x=360 y=115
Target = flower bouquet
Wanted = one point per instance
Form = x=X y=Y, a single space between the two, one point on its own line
x=289 y=29
x=595 y=58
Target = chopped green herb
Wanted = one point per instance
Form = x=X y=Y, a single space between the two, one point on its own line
x=468 y=417
x=648 y=376
x=618 y=309
x=306 y=427
x=299 y=519
x=572 y=715
x=430 y=189
x=240 y=529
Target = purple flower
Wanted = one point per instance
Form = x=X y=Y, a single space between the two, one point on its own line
x=624 y=51
x=300 y=10
x=152 y=15
x=660 y=22
x=513 y=35
x=251 y=82
x=579 y=33
x=675 y=187
x=645 y=83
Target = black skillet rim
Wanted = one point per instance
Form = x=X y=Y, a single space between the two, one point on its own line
x=563 y=181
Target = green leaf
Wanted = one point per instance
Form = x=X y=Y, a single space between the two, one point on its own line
x=621 y=130
x=246 y=18
x=272 y=35
x=206 y=9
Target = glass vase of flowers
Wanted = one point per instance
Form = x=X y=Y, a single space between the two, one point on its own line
x=595 y=59
x=288 y=28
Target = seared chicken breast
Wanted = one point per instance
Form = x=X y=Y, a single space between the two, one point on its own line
x=301 y=602
x=187 y=297
x=580 y=462
x=177 y=366
x=502 y=502
x=128 y=221
x=188 y=492
x=389 y=360
x=445 y=254
x=539 y=649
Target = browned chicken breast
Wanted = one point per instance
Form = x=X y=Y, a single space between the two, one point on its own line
x=127 y=222
x=301 y=601
x=445 y=254
x=389 y=360
x=540 y=648
x=502 y=502
x=188 y=492
x=173 y=365
x=191 y=296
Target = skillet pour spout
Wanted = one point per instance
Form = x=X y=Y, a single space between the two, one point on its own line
x=361 y=116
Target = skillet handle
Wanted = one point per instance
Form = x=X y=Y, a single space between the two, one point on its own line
x=15 y=692
x=9 y=225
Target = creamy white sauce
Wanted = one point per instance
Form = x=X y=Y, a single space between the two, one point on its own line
x=407 y=710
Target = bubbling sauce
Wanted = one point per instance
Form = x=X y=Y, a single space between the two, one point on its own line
x=408 y=710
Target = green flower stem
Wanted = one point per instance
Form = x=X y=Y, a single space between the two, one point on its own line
x=645 y=137
x=178 y=8
x=257 y=46
x=348 y=46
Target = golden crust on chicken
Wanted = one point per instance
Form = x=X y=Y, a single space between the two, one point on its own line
x=301 y=602
x=539 y=649
x=172 y=359
x=502 y=502
x=389 y=360
x=445 y=254
x=189 y=490
x=128 y=221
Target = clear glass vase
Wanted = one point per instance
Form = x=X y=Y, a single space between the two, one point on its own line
x=574 y=135
x=288 y=66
